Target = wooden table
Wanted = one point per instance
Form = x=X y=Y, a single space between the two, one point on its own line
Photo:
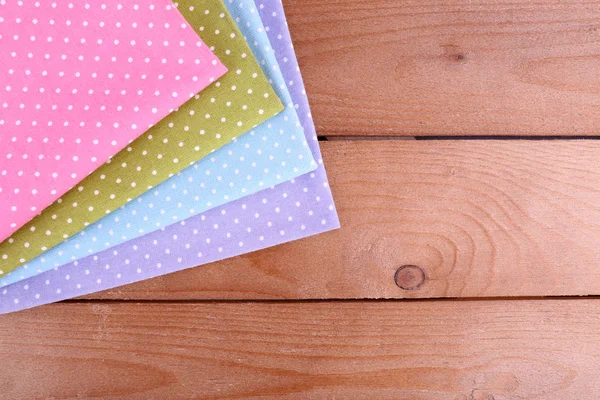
x=462 y=258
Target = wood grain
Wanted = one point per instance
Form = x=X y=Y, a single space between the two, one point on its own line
x=480 y=218
x=421 y=219
x=460 y=67
x=477 y=350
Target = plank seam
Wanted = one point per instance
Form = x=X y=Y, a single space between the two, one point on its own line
x=327 y=138
x=332 y=300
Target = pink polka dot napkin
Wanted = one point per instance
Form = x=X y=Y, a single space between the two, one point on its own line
x=80 y=80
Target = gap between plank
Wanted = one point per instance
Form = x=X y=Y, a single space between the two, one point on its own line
x=326 y=138
x=332 y=300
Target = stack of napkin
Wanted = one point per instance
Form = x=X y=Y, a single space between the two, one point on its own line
x=138 y=139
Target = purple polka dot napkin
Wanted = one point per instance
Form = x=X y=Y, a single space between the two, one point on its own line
x=292 y=210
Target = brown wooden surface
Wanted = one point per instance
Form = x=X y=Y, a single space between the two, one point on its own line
x=467 y=350
x=481 y=218
x=460 y=67
x=467 y=219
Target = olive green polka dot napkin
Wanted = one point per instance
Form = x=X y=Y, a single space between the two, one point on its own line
x=237 y=102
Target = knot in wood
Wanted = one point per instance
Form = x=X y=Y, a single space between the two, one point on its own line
x=409 y=277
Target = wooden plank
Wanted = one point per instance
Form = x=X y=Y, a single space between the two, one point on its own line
x=476 y=350
x=460 y=67
x=480 y=218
